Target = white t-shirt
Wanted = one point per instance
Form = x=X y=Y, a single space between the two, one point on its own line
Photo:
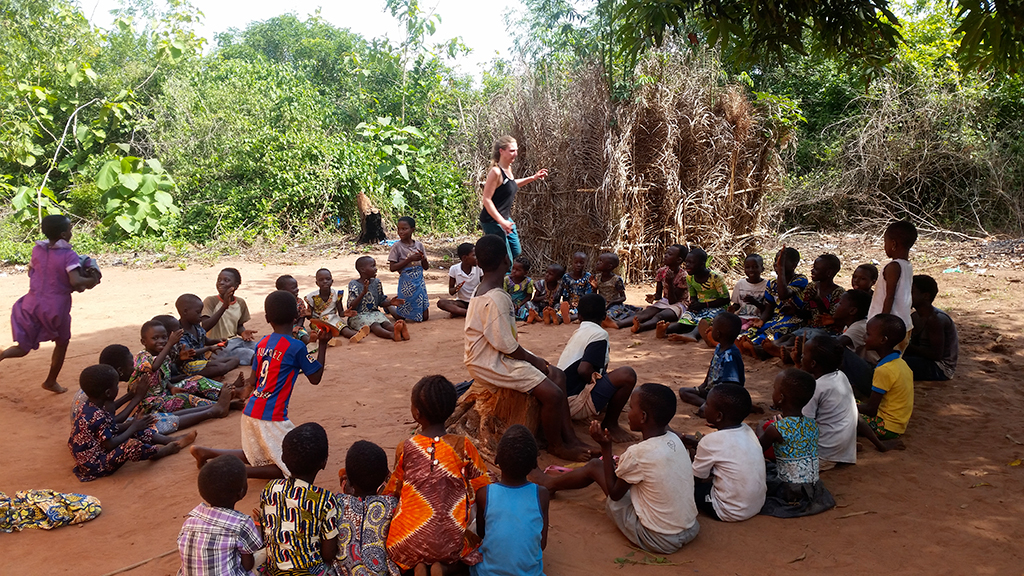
x=900 y=302
x=835 y=409
x=743 y=289
x=472 y=280
x=662 y=483
x=735 y=458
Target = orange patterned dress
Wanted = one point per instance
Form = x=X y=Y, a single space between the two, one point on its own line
x=435 y=479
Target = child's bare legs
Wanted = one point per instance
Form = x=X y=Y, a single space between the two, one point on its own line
x=217 y=366
x=590 y=473
x=650 y=323
x=643 y=315
x=556 y=422
x=360 y=334
x=204 y=455
x=383 y=330
x=456 y=308
x=679 y=332
x=691 y=396
x=189 y=417
x=56 y=363
x=864 y=429
x=347 y=332
x=172 y=445
x=624 y=380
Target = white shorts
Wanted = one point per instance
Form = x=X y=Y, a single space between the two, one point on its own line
x=262 y=439
x=678 y=308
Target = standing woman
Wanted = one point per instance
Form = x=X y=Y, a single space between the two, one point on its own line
x=500 y=191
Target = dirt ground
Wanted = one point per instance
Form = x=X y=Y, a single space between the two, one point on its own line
x=950 y=504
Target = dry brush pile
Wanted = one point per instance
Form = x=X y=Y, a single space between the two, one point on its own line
x=685 y=160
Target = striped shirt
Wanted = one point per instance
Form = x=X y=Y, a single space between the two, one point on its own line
x=296 y=517
x=212 y=540
x=278 y=360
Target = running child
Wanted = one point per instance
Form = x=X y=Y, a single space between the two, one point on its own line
x=832 y=406
x=584 y=361
x=224 y=317
x=326 y=305
x=783 y=298
x=299 y=519
x=214 y=535
x=864 y=278
x=288 y=283
x=44 y=314
x=195 y=345
x=493 y=353
x=611 y=287
x=364 y=517
x=729 y=463
x=278 y=361
x=408 y=257
x=934 y=344
x=893 y=294
x=885 y=414
x=748 y=294
x=365 y=299
x=520 y=288
x=99 y=445
x=436 y=479
x=512 y=514
x=669 y=299
x=709 y=296
x=575 y=283
x=463 y=278
x=726 y=363
x=547 y=294
x=650 y=494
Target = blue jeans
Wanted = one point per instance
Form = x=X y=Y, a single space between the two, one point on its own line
x=511 y=240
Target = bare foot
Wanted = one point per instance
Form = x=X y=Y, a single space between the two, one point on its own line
x=771 y=348
x=237 y=388
x=636 y=325
x=574 y=453
x=397 y=331
x=620 y=435
x=546 y=315
x=52 y=386
x=609 y=323
x=660 y=328
x=363 y=333
x=680 y=338
x=796 y=354
x=223 y=405
x=247 y=389
x=237 y=404
x=704 y=329
x=746 y=346
x=896 y=444
x=532 y=317
x=185 y=439
x=787 y=354
x=202 y=455
x=566 y=316
x=405 y=330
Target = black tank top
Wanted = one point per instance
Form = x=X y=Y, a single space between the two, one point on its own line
x=503 y=197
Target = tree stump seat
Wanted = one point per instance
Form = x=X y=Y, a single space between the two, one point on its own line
x=485 y=411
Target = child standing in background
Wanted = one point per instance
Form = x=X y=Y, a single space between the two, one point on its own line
x=512 y=514
x=611 y=287
x=463 y=279
x=44 y=314
x=520 y=288
x=289 y=284
x=575 y=283
x=408 y=257
x=364 y=518
x=748 y=294
x=893 y=294
x=365 y=297
x=436 y=479
x=224 y=317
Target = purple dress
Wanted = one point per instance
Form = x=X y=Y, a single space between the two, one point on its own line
x=44 y=313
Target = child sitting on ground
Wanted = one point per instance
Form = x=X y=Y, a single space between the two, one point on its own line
x=364 y=518
x=782 y=301
x=365 y=299
x=748 y=294
x=278 y=362
x=194 y=344
x=99 y=444
x=726 y=363
x=709 y=296
x=885 y=414
x=611 y=287
x=584 y=361
x=463 y=279
x=864 y=278
x=493 y=353
x=832 y=406
x=408 y=257
x=934 y=344
x=669 y=299
x=512 y=514
x=547 y=293
x=520 y=288
x=436 y=479
x=650 y=494
x=300 y=520
x=729 y=461
x=575 y=284
x=215 y=536
x=44 y=314
x=224 y=317
x=893 y=294
x=288 y=283
x=791 y=439
x=325 y=307
x=820 y=300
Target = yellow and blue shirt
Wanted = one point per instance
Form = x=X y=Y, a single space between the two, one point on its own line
x=894 y=380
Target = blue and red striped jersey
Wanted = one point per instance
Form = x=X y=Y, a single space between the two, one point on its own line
x=279 y=359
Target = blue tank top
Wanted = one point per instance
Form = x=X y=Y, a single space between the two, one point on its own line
x=504 y=196
x=512 y=531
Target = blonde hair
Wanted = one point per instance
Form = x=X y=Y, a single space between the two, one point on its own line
x=499 y=145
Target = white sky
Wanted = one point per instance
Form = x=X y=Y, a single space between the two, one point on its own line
x=479 y=23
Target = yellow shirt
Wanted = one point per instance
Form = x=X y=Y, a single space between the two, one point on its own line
x=894 y=380
x=227 y=327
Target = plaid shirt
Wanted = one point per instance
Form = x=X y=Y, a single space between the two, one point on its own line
x=212 y=539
